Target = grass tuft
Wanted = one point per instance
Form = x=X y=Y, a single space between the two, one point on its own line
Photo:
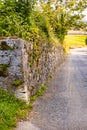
x=17 y=82
x=39 y=92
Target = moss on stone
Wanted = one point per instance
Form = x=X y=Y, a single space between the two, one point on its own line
x=17 y=82
x=3 y=69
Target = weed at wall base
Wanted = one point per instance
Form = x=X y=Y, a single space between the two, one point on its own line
x=39 y=92
x=11 y=110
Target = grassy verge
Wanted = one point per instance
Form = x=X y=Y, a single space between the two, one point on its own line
x=74 y=41
x=11 y=109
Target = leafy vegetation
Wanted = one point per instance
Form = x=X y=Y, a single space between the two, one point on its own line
x=74 y=41
x=17 y=82
x=40 y=23
x=34 y=20
x=3 y=69
x=11 y=109
x=41 y=90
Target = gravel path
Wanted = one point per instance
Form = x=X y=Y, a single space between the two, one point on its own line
x=64 y=105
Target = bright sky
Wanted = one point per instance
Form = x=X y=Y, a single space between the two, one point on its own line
x=85 y=13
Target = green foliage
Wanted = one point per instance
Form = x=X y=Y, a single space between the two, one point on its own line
x=33 y=98
x=3 y=69
x=30 y=106
x=43 y=87
x=41 y=90
x=17 y=82
x=48 y=19
x=10 y=108
x=38 y=93
x=43 y=24
x=60 y=27
x=14 y=17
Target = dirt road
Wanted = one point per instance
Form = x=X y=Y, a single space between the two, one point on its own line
x=64 y=105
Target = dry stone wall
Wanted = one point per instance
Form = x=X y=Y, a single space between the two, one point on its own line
x=17 y=75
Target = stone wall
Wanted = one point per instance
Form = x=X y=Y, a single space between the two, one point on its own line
x=17 y=75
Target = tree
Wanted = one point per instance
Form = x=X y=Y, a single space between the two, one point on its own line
x=66 y=14
x=24 y=7
x=51 y=18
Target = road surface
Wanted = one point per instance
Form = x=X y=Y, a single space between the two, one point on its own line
x=64 y=105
